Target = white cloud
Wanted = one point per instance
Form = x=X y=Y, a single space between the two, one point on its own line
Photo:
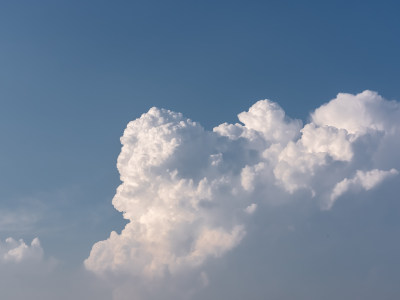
x=172 y=177
x=366 y=180
x=15 y=251
x=26 y=273
x=268 y=119
x=251 y=208
x=359 y=113
x=188 y=193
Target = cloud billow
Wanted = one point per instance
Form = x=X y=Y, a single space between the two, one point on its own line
x=13 y=251
x=189 y=194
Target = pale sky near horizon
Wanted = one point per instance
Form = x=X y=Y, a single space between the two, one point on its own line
x=73 y=74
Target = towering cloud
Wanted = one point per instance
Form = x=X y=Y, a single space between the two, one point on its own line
x=188 y=193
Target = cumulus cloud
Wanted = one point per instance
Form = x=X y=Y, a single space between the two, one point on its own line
x=15 y=251
x=251 y=208
x=189 y=193
x=365 y=180
x=358 y=114
x=26 y=273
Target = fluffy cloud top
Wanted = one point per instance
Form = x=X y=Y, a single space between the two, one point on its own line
x=25 y=273
x=365 y=180
x=15 y=251
x=188 y=193
x=359 y=113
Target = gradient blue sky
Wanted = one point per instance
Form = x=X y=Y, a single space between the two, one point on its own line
x=74 y=73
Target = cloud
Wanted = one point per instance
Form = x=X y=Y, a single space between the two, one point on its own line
x=26 y=273
x=365 y=180
x=251 y=208
x=358 y=114
x=189 y=194
x=17 y=251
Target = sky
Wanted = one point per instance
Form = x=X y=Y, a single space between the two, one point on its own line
x=199 y=149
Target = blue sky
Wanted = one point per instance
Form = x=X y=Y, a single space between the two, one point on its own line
x=74 y=73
